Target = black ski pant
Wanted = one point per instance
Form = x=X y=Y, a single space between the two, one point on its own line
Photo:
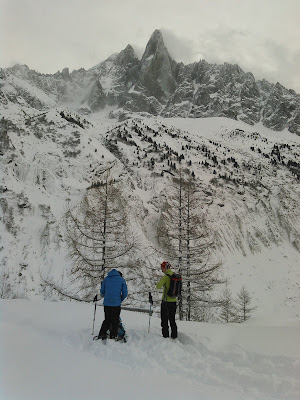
x=111 y=321
x=167 y=314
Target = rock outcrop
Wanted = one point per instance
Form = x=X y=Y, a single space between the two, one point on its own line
x=158 y=85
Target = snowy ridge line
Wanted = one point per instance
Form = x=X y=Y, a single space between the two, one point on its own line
x=127 y=84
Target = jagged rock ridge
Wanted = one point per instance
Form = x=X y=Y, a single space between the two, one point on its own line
x=158 y=85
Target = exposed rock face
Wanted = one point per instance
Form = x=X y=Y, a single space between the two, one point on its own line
x=66 y=74
x=156 y=69
x=96 y=99
x=4 y=138
x=158 y=85
x=250 y=100
x=294 y=125
x=280 y=108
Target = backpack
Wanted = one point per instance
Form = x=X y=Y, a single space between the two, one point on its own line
x=175 y=285
x=121 y=331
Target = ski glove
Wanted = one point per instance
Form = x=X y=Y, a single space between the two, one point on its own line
x=95 y=298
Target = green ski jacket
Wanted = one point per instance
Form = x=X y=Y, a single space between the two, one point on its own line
x=165 y=282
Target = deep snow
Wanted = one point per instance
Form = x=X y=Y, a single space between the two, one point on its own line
x=47 y=352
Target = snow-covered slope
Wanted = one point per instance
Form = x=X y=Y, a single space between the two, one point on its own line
x=248 y=177
x=48 y=353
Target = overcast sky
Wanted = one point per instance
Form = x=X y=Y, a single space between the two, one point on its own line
x=262 y=36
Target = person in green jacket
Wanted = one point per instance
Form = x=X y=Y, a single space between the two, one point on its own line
x=168 y=304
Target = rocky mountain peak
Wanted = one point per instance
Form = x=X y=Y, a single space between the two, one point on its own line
x=158 y=85
x=20 y=70
x=65 y=73
x=157 y=74
x=126 y=56
x=155 y=44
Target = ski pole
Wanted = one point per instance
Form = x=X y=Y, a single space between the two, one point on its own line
x=94 y=318
x=151 y=302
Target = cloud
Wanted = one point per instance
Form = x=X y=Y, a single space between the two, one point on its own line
x=180 y=48
x=259 y=36
x=264 y=57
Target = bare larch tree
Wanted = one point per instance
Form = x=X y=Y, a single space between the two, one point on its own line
x=183 y=233
x=242 y=305
x=98 y=235
x=227 y=309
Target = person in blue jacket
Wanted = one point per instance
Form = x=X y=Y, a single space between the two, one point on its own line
x=114 y=291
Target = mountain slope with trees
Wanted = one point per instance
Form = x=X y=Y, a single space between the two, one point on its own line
x=217 y=196
x=243 y=185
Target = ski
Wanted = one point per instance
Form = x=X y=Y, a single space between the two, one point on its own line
x=101 y=340
x=121 y=339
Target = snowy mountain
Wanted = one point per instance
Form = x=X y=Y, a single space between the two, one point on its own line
x=57 y=135
x=158 y=85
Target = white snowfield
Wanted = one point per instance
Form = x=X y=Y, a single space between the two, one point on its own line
x=48 y=353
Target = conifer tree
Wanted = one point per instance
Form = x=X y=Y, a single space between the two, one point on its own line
x=201 y=272
x=242 y=304
x=183 y=234
x=228 y=311
x=98 y=235
x=170 y=229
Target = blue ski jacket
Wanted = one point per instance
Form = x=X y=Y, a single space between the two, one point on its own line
x=113 y=289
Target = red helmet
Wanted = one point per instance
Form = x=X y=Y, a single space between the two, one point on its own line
x=165 y=264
